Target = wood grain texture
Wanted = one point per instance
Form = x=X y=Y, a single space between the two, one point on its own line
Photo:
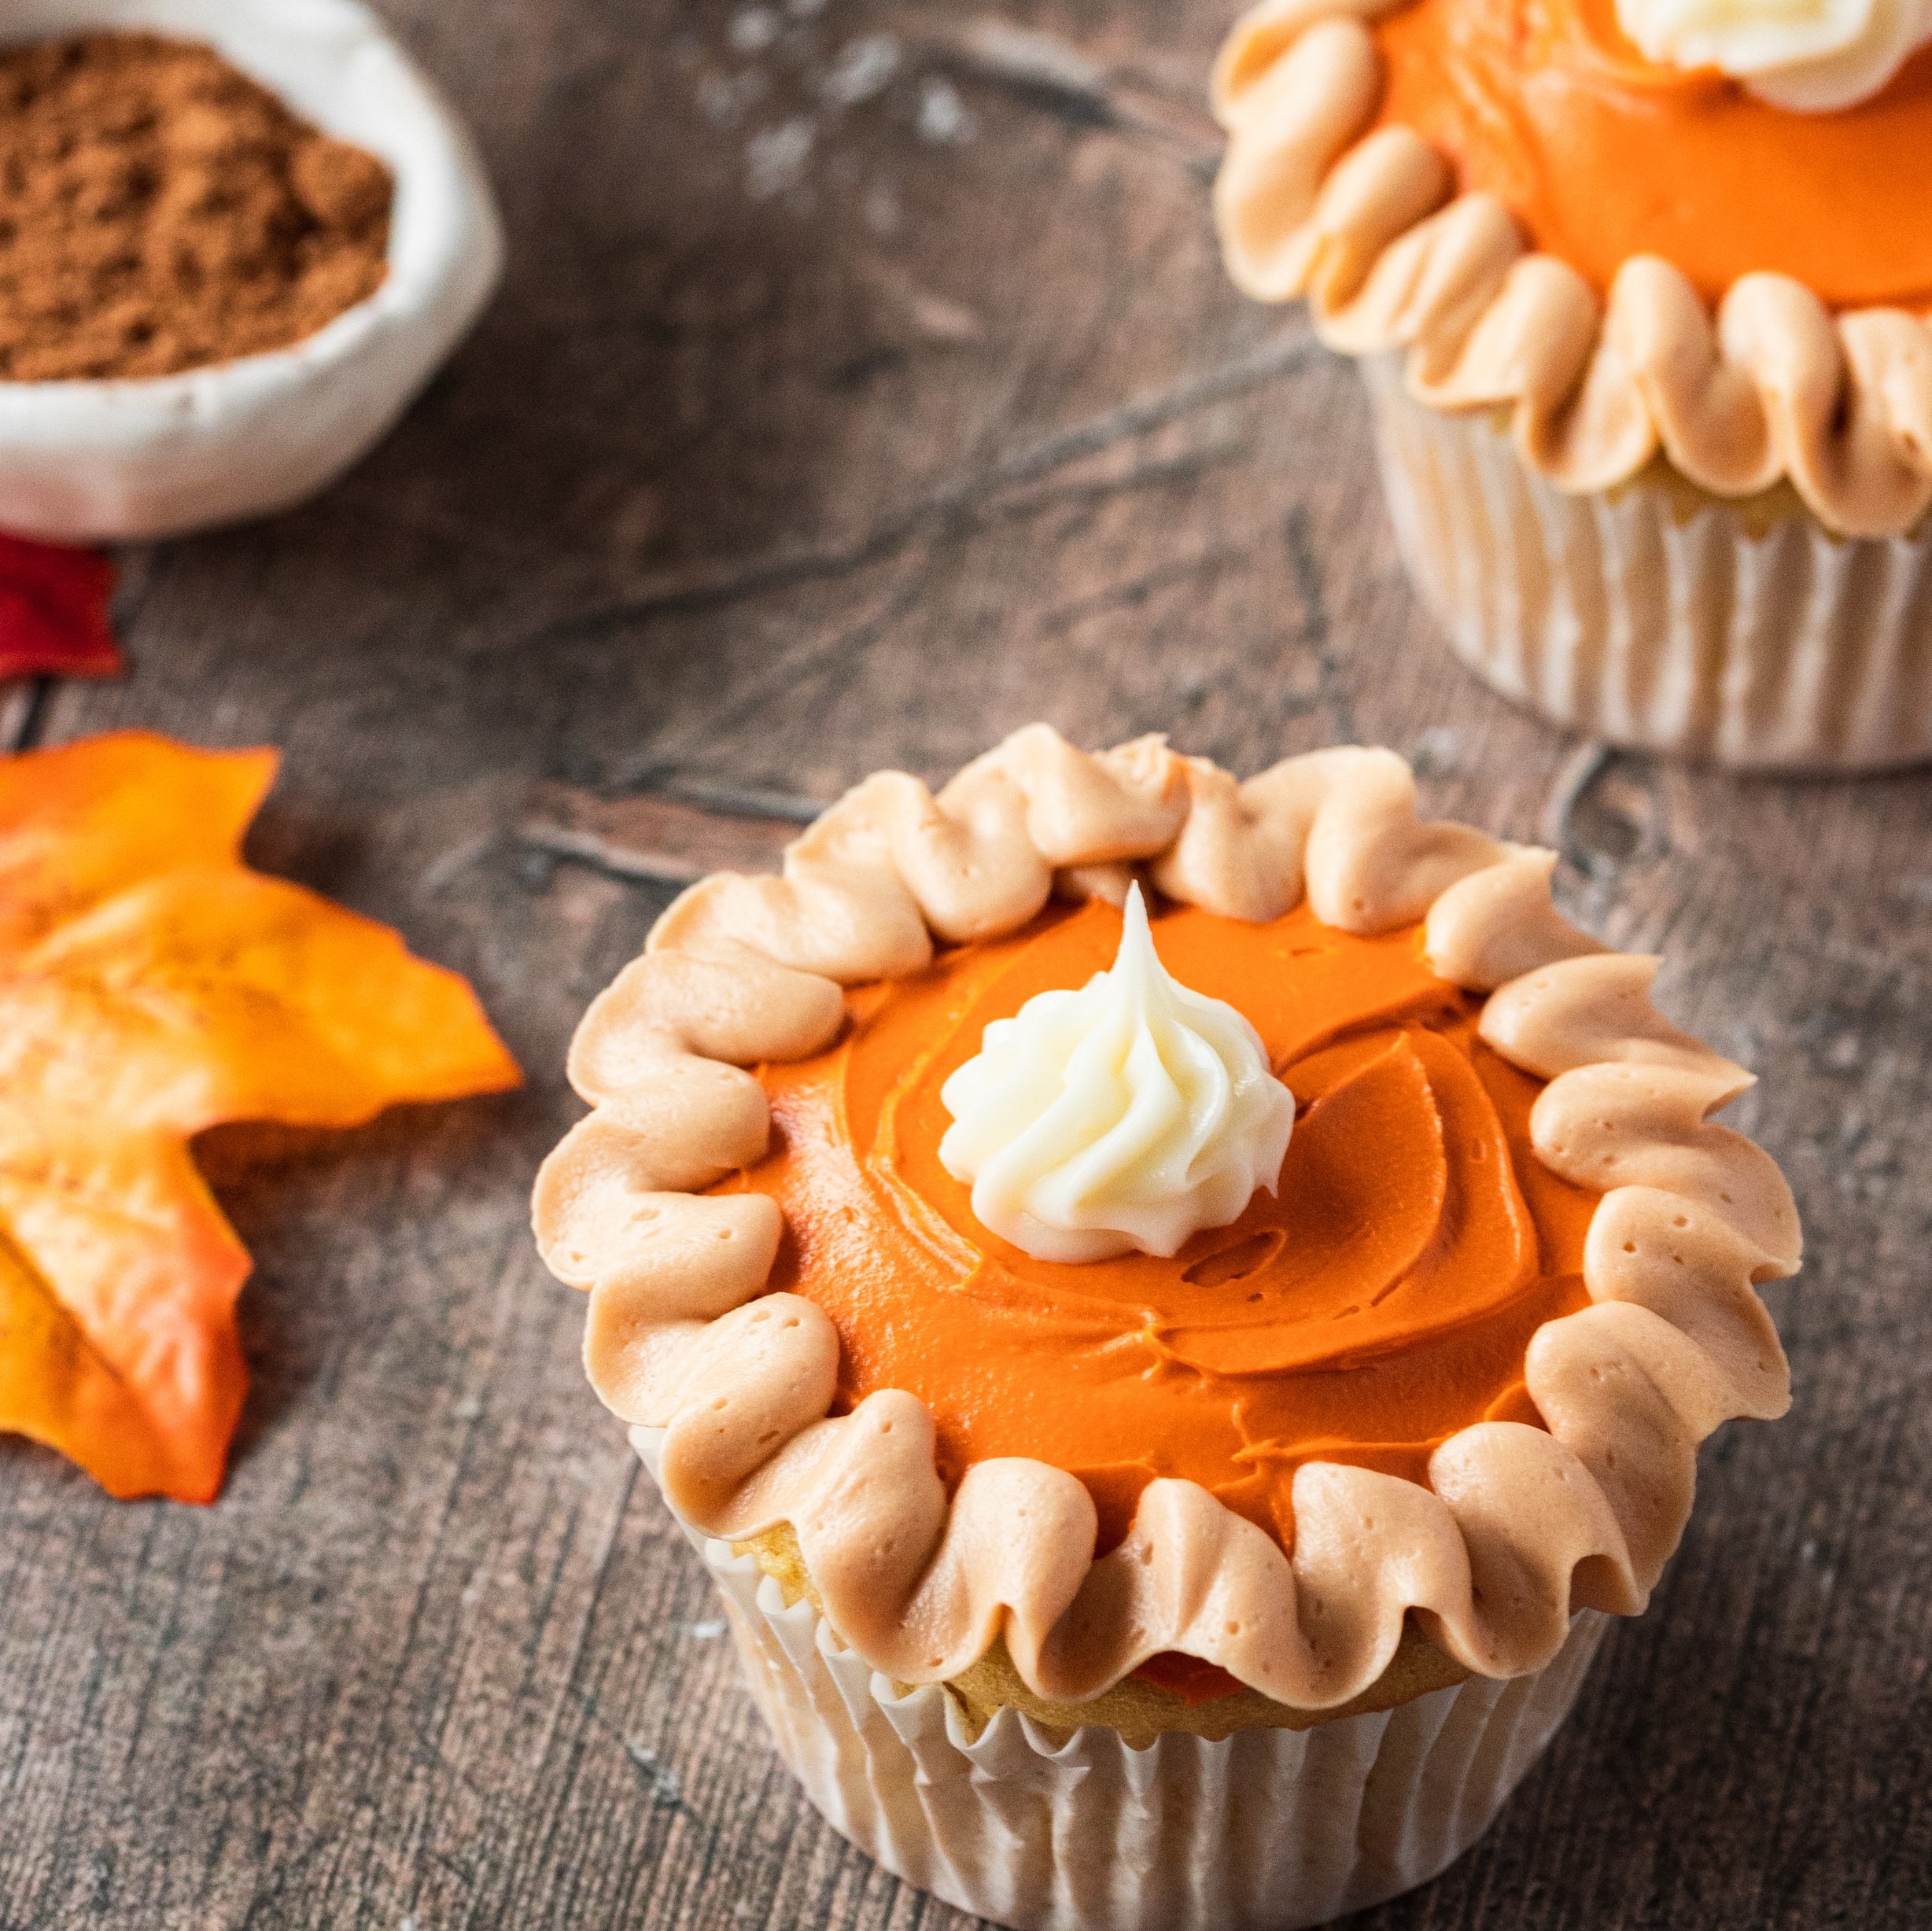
x=866 y=386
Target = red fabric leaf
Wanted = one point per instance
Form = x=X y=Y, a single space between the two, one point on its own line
x=54 y=611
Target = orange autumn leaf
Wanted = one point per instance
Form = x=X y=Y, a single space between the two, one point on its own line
x=152 y=986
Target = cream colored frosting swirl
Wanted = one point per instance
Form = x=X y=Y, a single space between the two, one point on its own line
x=1129 y=1114
x=1812 y=56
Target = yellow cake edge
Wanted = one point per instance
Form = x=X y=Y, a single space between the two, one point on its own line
x=1139 y=1711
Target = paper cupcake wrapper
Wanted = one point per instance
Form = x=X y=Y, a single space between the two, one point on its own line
x=1269 y=1830
x=1619 y=615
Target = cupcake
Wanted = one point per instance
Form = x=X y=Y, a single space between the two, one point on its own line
x=1173 y=1310
x=1638 y=289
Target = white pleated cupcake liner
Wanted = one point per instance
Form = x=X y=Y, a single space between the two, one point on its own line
x=1269 y=1830
x=1619 y=615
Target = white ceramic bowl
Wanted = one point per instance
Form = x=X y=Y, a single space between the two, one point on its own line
x=99 y=461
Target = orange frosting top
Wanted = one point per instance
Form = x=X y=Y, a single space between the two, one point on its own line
x=1381 y=1301
x=1602 y=155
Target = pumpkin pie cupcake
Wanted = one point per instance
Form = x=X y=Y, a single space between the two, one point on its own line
x=1639 y=289
x=1173 y=1310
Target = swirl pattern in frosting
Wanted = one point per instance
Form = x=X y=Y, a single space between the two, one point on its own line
x=1516 y=1523
x=1130 y=1113
x=1374 y=1300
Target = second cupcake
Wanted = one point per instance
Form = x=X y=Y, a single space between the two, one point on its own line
x=1639 y=292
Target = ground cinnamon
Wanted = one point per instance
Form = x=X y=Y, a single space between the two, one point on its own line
x=159 y=211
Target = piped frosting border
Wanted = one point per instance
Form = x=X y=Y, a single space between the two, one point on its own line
x=1367 y=227
x=1518 y=1527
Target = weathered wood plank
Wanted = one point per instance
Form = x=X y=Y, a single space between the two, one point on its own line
x=663 y=838
x=816 y=432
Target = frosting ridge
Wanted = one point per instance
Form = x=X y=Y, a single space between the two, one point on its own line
x=1129 y=1114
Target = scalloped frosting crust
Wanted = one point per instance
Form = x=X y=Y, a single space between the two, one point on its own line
x=816 y=1334
x=1633 y=260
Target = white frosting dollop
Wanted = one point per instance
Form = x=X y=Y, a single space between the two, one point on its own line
x=1814 y=56
x=1129 y=1113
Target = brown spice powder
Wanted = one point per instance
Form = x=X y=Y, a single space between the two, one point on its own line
x=159 y=211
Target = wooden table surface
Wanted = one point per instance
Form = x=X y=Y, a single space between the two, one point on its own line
x=866 y=385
